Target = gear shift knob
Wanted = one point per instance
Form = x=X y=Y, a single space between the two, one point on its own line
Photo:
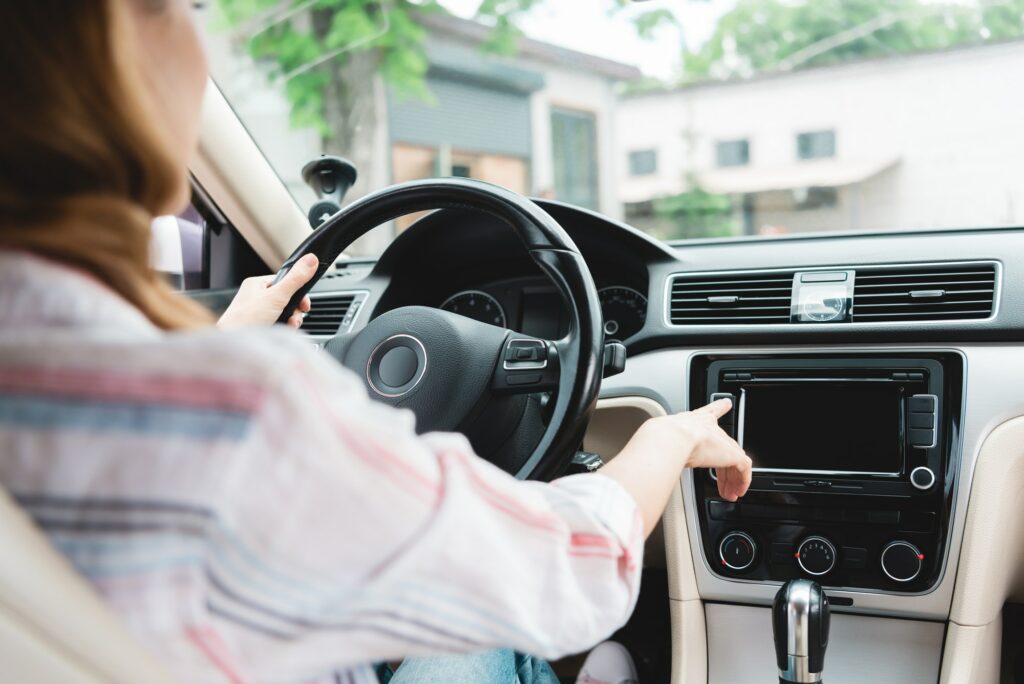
x=800 y=621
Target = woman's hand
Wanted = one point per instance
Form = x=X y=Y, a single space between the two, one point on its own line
x=260 y=303
x=712 y=447
x=649 y=466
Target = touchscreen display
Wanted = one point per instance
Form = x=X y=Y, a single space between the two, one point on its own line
x=848 y=428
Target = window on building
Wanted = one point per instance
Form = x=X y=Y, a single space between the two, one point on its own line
x=815 y=198
x=643 y=162
x=733 y=152
x=574 y=148
x=816 y=145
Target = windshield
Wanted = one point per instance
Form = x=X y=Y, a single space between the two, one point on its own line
x=684 y=118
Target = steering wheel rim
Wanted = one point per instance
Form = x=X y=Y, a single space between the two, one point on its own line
x=578 y=355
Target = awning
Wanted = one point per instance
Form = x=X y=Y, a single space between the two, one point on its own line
x=817 y=173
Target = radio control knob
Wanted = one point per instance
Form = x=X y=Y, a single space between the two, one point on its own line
x=922 y=478
x=816 y=556
x=737 y=551
x=902 y=561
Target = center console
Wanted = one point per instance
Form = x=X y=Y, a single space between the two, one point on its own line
x=854 y=467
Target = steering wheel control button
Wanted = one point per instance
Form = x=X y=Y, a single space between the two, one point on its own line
x=527 y=365
x=525 y=379
x=737 y=551
x=816 y=556
x=396 y=366
x=902 y=561
x=922 y=478
x=526 y=354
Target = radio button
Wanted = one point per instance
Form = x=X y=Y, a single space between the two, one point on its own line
x=884 y=517
x=728 y=421
x=923 y=522
x=782 y=553
x=922 y=439
x=922 y=478
x=816 y=556
x=723 y=510
x=924 y=403
x=922 y=421
x=901 y=561
x=737 y=551
x=855 y=558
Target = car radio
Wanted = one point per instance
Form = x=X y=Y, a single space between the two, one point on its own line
x=854 y=463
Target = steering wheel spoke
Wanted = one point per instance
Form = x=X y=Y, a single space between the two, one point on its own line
x=526 y=365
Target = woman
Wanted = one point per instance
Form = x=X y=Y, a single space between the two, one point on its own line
x=234 y=495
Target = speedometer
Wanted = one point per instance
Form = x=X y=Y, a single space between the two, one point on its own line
x=624 y=310
x=477 y=305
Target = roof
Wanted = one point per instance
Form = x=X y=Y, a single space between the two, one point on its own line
x=477 y=33
x=817 y=173
x=844 y=64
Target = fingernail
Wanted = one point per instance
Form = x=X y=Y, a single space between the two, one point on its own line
x=310 y=260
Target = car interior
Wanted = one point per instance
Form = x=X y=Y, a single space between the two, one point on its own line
x=876 y=379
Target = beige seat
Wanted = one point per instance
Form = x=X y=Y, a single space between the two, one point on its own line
x=53 y=628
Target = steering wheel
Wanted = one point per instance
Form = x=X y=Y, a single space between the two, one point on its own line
x=454 y=372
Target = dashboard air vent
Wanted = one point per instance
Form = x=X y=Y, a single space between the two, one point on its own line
x=731 y=299
x=330 y=312
x=924 y=293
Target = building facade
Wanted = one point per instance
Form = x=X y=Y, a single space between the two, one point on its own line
x=910 y=142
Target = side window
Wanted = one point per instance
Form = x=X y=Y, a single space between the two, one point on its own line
x=199 y=249
x=179 y=249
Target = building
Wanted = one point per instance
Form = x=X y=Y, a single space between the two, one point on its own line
x=540 y=122
x=904 y=142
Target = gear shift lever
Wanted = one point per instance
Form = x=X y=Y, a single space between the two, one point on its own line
x=800 y=621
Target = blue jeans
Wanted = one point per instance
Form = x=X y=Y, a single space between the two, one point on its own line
x=488 y=667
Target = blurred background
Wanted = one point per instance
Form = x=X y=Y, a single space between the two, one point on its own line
x=685 y=118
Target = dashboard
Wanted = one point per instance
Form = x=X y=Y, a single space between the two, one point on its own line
x=907 y=348
x=655 y=295
x=472 y=265
x=531 y=306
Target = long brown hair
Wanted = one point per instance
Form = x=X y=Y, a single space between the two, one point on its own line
x=83 y=166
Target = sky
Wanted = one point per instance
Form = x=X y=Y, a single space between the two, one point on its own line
x=587 y=26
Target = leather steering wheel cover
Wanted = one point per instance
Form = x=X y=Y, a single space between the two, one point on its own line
x=548 y=244
x=534 y=227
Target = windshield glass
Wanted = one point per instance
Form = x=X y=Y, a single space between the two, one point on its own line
x=684 y=118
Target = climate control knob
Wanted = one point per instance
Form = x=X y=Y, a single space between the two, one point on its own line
x=737 y=551
x=816 y=556
x=902 y=561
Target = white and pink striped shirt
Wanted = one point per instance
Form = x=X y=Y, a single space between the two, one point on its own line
x=254 y=517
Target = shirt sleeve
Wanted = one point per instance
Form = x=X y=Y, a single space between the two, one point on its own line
x=372 y=543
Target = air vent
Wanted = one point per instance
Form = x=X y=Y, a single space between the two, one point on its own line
x=924 y=293
x=331 y=313
x=736 y=299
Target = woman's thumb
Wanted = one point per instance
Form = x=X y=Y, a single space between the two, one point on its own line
x=299 y=274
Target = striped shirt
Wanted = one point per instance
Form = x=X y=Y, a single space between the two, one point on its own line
x=254 y=517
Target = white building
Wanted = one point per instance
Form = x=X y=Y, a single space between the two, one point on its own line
x=918 y=141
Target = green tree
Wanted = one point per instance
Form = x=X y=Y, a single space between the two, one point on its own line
x=695 y=214
x=760 y=35
x=326 y=54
